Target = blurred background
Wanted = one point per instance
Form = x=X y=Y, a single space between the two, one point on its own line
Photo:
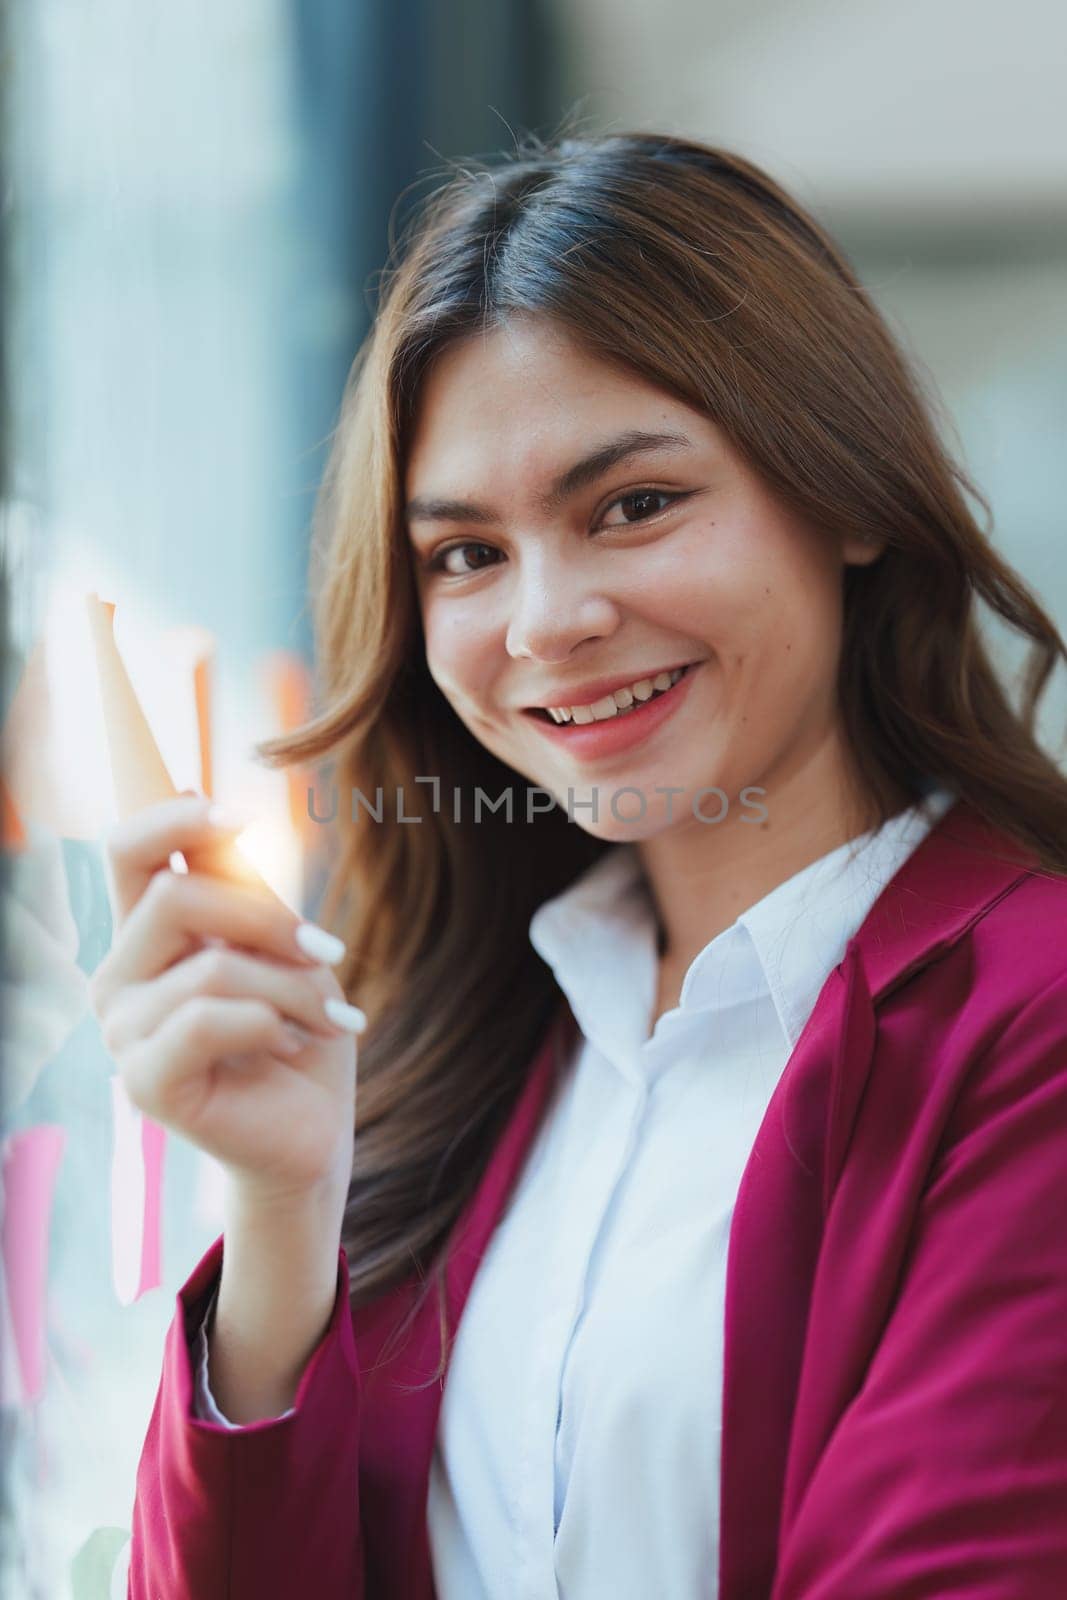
x=196 y=202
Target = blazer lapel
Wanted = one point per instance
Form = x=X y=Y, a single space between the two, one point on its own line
x=959 y=870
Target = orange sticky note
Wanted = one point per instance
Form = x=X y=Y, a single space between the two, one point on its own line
x=12 y=833
x=138 y=772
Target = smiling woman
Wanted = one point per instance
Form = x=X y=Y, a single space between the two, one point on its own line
x=705 y=1078
x=568 y=603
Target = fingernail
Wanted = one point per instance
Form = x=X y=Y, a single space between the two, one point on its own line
x=226 y=819
x=318 y=944
x=294 y=1039
x=345 y=1016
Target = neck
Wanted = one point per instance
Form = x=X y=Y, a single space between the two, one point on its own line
x=702 y=876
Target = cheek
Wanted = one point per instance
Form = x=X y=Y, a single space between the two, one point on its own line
x=778 y=629
x=720 y=582
x=457 y=653
x=795 y=635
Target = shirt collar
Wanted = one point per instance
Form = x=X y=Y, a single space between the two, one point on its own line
x=599 y=934
x=599 y=938
x=802 y=927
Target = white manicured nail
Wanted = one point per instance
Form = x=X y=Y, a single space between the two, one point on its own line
x=318 y=944
x=345 y=1016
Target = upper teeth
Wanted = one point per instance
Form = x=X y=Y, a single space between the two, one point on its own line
x=618 y=701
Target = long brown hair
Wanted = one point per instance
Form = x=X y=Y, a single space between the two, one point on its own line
x=694 y=269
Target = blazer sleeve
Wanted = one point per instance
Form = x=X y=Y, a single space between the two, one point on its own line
x=205 y=1406
x=267 y=1508
x=947 y=1474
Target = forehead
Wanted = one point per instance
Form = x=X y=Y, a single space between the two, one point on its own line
x=517 y=397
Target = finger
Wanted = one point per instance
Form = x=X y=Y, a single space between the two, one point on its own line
x=177 y=912
x=161 y=1071
x=140 y=846
x=228 y=974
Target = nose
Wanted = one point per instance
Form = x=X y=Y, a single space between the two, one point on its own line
x=554 y=607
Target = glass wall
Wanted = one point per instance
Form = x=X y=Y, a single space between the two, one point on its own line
x=199 y=200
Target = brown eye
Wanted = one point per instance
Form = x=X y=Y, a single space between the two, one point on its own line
x=437 y=563
x=643 y=503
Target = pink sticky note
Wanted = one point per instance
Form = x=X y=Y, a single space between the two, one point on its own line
x=136 y=1196
x=153 y=1150
x=30 y=1163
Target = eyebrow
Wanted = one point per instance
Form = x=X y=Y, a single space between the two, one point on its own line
x=579 y=476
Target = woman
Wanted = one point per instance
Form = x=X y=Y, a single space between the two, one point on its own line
x=705 y=893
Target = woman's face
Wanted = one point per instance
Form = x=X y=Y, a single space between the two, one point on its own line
x=575 y=528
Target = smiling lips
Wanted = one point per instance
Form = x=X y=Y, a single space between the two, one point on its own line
x=610 y=735
x=613 y=702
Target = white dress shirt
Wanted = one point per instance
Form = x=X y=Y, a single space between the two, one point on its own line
x=577 y=1449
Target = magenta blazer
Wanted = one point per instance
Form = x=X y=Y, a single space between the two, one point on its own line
x=895 y=1388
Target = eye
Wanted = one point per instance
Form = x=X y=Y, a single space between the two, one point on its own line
x=640 y=498
x=437 y=562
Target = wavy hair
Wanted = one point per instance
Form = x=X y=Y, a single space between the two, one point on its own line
x=696 y=270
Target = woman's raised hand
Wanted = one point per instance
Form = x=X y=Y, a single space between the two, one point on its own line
x=221 y=1012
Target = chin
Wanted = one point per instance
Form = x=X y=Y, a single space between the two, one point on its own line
x=622 y=830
